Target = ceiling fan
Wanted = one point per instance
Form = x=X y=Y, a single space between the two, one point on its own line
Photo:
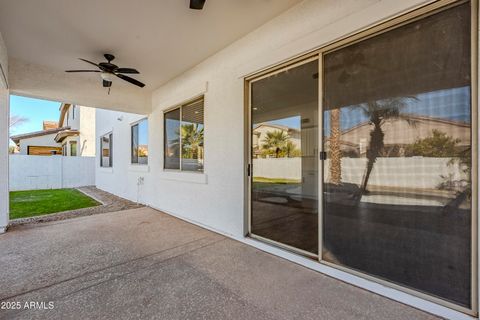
x=197 y=4
x=107 y=70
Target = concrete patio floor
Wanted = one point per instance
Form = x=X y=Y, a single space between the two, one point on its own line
x=141 y=263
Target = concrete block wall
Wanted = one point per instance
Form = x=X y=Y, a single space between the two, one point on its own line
x=50 y=172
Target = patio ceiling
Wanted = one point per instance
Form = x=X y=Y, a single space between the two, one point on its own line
x=161 y=39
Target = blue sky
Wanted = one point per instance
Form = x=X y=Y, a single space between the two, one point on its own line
x=452 y=104
x=35 y=110
x=291 y=122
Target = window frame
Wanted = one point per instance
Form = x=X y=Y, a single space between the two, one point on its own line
x=133 y=125
x=110 y=145
x=71 y=143
x=180 y=108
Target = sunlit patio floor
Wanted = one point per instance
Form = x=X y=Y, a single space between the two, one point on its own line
x=142 y=263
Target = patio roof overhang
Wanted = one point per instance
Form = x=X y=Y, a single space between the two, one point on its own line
x=62 y=135
x=46 y=38
x=19 y=137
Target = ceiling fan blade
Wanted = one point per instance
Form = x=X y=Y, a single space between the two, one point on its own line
x=197 y=4
x=92 y=63
x=107 y=84
x=131 y=80
x=126 y=70
x=82 y=71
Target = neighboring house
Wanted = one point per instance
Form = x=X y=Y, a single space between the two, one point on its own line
x=354 y=141
x=39 y=143
x=72 y=135
x=260 y=132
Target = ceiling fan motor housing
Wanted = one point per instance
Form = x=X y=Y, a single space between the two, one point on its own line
x=109 y=57
x=197 y=4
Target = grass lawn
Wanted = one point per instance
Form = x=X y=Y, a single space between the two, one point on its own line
x=37 y=202
x=275 y=180
x=277 y=185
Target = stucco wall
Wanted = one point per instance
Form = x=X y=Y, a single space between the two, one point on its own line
x=50 y=172
x=216 y=197
x=86 y=140
x=72 y=119
x=3 y=64
x=122 y=179
x=281 y=168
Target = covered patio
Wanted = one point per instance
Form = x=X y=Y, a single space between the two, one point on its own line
x=314 y=244
x=145 y=264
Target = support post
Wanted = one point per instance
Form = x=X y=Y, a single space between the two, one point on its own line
x=4 y=141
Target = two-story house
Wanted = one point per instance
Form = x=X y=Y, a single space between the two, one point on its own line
x=72 y=135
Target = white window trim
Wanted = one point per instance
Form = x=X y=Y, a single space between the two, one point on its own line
x=138 y=167
x=100 y=164
x=106 y=169
x=148 y=145
x=179 y=106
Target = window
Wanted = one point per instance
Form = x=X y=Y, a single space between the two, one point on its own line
x=183 y=138
x=73 y=112
x=397 y=132
x=139 y=138
x=106 y=146
x=73 y=148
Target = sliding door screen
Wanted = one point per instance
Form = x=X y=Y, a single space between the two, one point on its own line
x=397 y=132
x=284 y=149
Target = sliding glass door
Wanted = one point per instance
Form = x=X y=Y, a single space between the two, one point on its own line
x=284 y=161
x=397 y=132
x=393 y=158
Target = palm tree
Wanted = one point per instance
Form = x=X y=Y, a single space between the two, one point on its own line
x=192 y=140
x=290 y=150
x=276 y=141
x=335 y=152
x=378 y=112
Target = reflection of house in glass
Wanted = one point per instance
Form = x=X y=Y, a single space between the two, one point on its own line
x=260 y=139
x=400 y=133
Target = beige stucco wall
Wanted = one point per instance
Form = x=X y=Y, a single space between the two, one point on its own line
x=86 y=140
x=216 y=197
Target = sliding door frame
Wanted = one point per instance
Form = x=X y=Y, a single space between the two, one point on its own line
x=394 y=22
x=248 y=86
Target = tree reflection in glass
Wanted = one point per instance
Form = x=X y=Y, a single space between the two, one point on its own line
x=397 y=132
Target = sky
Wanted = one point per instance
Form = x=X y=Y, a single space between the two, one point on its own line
x=35 y=110
x=452 y=104
x=291 y=122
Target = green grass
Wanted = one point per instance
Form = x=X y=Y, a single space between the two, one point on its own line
x=38 y=202
x=275 y=180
